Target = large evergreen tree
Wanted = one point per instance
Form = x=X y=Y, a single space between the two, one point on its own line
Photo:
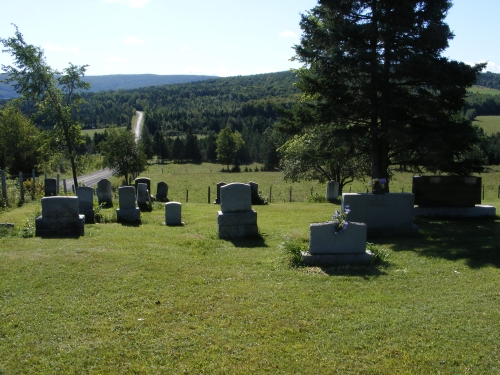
x=374 y=73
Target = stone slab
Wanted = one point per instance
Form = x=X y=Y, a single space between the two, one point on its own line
x=173 y=212
x=238 y=231
x=323 y=240
x=332 y=191
x=237 y=218
x=126 y=197
x=59 y=227
x=457 y=212
x=236 y=197
x=104 y=192
x=384 y=214
x=128 y=214
x=328 y=260
x=60 y=207
x=447 y=191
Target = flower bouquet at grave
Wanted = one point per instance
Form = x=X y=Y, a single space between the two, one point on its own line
x=340 y=220
x=378 y=185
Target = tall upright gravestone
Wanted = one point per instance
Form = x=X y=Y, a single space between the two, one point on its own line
x=50 y=187
x=162 y=192
x=236 y=218
x=127 y=212
x=85 y=196
x=104 y=192
x=332 y=191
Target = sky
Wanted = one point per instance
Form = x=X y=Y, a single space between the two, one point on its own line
x=207 y=37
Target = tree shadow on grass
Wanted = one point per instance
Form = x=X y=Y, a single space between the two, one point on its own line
x=130 y=223
x=365 y=272
x=477 y=241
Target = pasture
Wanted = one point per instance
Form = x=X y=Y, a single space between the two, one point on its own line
x=154 y=299
x=490 y=124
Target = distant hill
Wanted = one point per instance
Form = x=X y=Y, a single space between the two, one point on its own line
x=118 y=82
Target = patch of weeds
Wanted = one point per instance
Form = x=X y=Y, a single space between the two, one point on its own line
x=100 y=216
x=292 y=251
x=28 y=230
x=316 y=198
x=380 y=255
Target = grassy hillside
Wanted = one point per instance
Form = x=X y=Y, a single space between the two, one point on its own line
x=490 y=124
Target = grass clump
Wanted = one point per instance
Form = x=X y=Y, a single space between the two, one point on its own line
x=292 y=251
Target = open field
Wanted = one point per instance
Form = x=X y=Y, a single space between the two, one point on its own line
x=154 y=299
x=490 y=124
x=484 y=90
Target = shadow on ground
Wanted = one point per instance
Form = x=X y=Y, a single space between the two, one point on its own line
x=477 y=241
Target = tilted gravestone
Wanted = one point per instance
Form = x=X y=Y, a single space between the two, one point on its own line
x=143 y=197
x=104 y=193
x=236 y=218
x=60 y=217
x=127 y=211
x=85 y=196
x=143 y=180
x=173 y=214
x=219 y=185
x=162 y=192
x=50 y=187
x=332 y=191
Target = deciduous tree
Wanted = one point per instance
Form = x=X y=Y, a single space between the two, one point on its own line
x=55 y=93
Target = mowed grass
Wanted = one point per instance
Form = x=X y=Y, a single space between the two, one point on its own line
x=490 y=124
x=153 y=299
x=484 y=90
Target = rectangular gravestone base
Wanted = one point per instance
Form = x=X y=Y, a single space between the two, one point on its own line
x=128 y=214
x=458 y=212
x=328 y=260
x=237 y=224
x=59 y=227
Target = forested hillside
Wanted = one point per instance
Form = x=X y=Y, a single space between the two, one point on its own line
x=117 y=82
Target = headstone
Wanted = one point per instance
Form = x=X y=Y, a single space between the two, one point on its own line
x=143 y=180
x=60 y=217
x=450 y=196
x=50 y=187
x=104 y=193
x=254 y=187
x=173 y=213
x=327 y=248
x=384 y=214
x=162 y=192
x=447 y=191
x=143 y=197
x=86 y=202
x=236 y=219
x=219 y=185
x=332 y=191
x=127 y=211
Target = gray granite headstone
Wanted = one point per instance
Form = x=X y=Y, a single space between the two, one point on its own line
x=60 y=217
x=142 y=180
x=143 y=197
x=236 y=197
x=236 y=218
x=219 y=185
x=332 y=191
x=50 y=187
x=86 y=202
x=162 y=192
x=173 y=213
x=126 y=200
x=104 y=192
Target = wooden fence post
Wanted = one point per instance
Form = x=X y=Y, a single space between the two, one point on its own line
x=4 y=187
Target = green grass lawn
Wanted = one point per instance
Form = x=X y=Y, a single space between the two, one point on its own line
x=154 y=299
x=490 y=124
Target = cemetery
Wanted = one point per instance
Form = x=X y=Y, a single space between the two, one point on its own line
x=172 y=281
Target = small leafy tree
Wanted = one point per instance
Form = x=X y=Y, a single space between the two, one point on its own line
x=122 y=154
x=56 y=94
x=228 y=144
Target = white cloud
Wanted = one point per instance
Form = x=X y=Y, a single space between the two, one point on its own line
x=184 y=48
x=490 y=66
x=114 y=59
x=131 y=3
x=58 y=48
x=287 y=34
x=133 y=40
